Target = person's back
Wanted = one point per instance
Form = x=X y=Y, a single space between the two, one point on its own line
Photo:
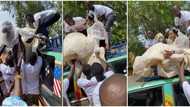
x=44 y=19
x=98 y=72
x=31 y=75
x=30 y=79
x=89 y=83
x=96 y=94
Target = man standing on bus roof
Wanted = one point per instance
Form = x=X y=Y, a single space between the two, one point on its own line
x=182 y=17
x=105 y=14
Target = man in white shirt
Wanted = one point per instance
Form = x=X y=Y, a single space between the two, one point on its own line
x=89 y=83
x=98 y=72
x=182 y=17
x=96 y=95
x=8 y=72
x=30 y=79
x=106 y=13
x=74 y=24
x=45 y=19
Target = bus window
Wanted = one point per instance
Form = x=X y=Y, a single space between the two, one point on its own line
x=150 y=97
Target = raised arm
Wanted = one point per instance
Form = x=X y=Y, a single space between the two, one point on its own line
x=103 y=62
x=181 y=72
x=79 y=74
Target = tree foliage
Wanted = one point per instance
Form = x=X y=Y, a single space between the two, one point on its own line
x=78 y=8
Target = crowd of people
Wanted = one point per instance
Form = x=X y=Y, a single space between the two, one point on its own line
x=96 y=78
x=21 y=60
x=175 y=37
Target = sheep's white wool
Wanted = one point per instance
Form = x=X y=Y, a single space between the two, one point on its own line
x=78 y=46
x=154 y=57
x=8 y=34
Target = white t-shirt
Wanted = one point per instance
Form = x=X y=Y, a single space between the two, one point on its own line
x=182 y=41
x=65 y=88
x=8 y=75
x=101 y=10
x=96 y=95
x=185 y=16
x=186 y=90
x=30 y=74
x=88 y=86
